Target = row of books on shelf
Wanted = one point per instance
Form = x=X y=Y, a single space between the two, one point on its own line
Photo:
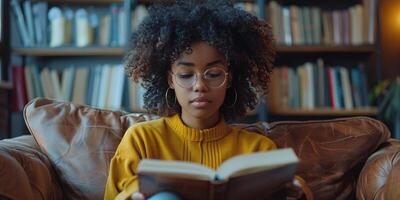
x=310 y=25
x=102 y=86
x=315 y=85
x=39 y=25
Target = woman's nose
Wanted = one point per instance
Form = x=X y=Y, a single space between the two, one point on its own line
x=200 y=84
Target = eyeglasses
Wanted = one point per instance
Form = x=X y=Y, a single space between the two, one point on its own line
x=213 y=77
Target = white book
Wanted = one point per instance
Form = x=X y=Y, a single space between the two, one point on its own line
x=356 y=16
x=84 y=32
x=57 y=27
x=310 y=104
x=104 y=86
x=46 y=83
x=347 y=93
x=23 y=29
x=114 y=100
x=29 y=83
x=263 y=173
x=80 y=85
x=122 y=30
x=138 y=16
x=286 y=26
x=105 y=30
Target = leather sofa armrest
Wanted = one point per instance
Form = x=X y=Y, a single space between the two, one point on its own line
x=380 y=174
x=25 y=172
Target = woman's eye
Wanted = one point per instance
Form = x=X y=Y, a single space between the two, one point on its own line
x=185 y=76
x=213 y=75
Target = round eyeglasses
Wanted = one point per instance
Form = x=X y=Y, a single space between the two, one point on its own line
x=213 y=77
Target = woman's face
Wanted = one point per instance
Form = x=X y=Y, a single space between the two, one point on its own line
x=200 y=78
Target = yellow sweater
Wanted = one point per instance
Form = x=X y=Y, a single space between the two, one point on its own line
x=170 y=139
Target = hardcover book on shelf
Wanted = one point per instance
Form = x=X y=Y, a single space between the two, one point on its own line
x=249 y=176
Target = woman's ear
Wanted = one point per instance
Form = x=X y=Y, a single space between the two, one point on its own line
x=230 y=78
x=170 y=82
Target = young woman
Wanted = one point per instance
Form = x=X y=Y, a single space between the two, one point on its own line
x=202 y=64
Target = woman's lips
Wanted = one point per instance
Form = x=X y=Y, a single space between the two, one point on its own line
x=200 y=102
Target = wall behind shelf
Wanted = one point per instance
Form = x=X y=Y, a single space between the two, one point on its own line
x=390 y=38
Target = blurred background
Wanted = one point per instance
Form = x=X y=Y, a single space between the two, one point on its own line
x=335 y=58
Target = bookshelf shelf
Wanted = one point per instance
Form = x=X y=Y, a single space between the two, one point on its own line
x=70 y=51
x=81 y=2
x=368 y=111
x=325 y=49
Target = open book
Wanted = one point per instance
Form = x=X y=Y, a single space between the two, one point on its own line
x=248 y=176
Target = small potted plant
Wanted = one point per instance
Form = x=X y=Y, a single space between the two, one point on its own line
x=389 y=106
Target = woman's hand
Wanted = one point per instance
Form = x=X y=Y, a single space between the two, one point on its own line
x=137 y=196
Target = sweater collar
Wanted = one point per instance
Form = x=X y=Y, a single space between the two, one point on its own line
x=193 y=134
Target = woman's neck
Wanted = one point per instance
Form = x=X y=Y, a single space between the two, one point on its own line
x=200 y=123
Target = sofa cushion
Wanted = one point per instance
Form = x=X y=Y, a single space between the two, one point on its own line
x=332 y=152
x=80 y=142
x=25 y=172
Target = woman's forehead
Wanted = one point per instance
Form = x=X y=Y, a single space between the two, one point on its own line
x=200 y=53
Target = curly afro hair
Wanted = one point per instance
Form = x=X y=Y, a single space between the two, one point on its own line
x=170 y=28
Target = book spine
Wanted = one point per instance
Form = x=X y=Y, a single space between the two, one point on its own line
x=217 y=190
x=19 y=87
x=23 y=30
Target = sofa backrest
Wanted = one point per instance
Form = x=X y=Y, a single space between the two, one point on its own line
x=81 y=140
x=332 y=152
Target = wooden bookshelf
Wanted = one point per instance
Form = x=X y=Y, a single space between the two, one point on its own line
x=368 y=111
x=325 y=49
x=81 y=1
x=70 y=51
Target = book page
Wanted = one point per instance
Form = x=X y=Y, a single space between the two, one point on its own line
x=176 y=169
x=256 y=162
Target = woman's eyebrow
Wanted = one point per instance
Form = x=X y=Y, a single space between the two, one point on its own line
x=214 y=62
x=189 y=64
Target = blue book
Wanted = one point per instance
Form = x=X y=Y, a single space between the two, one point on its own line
x=37 y=82
x=339 y=88
x=90 y=87
x=356 y=87
x=327 y=98
x=363 y=86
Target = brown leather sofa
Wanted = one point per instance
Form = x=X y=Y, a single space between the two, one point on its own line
x=68 y=154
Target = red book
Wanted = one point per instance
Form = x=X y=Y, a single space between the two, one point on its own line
x=331 y=87
x=19 y=95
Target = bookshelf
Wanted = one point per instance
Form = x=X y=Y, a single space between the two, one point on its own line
x=281 y=49
x=42 y=68
x=69 y=51
x=80 y=2
x=314 y=39
x=325 y=112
